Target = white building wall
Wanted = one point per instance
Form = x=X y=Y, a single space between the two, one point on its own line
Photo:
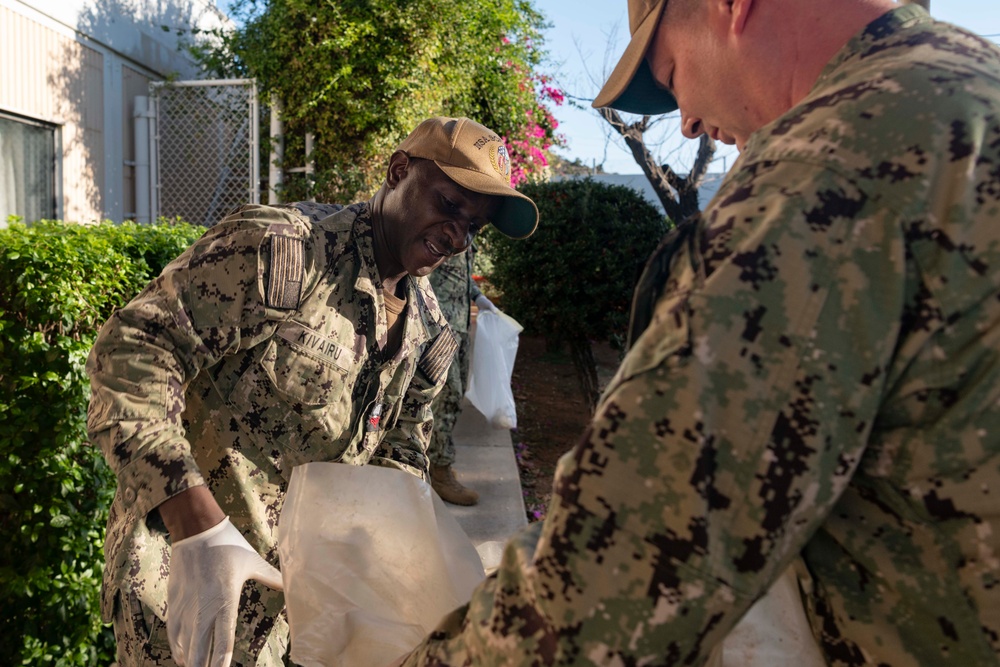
x=78 y=64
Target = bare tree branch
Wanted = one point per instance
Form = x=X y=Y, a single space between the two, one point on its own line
x=706 y=149
x=677 y=194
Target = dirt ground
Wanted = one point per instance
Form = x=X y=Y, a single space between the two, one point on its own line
x=551 y=414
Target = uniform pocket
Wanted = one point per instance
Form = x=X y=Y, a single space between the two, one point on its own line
x=292 y=401
x=139 y=631
x=302 y=377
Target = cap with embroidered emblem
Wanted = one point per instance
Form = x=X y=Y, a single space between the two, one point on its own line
x=476 y=158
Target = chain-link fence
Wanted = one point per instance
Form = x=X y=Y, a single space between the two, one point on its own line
x=205 y=161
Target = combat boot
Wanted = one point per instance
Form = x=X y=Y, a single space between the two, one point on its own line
x=449 y=488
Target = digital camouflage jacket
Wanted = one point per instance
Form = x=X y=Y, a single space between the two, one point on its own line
x=815 y=373
x=256 y=350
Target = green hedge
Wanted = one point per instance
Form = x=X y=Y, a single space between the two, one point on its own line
x=572 y=280
x=59 y=282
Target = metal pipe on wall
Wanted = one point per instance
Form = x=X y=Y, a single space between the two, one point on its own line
x=140 y=131
x=275 y=177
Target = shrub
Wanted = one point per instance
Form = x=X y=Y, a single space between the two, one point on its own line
x=58 y=283
x=572 y=281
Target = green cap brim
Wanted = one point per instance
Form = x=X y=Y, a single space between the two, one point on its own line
x=643 y=95
x=516 y=217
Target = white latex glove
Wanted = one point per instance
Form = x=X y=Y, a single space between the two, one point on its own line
x=482 y=303
x=207 y=572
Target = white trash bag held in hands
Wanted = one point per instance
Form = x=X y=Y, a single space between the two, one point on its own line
x=493 y=354
x=773 y=633
x=371 y=560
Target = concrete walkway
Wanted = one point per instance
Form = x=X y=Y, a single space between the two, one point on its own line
x=484 y=461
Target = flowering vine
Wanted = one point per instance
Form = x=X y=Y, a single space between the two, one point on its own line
x=530 y=143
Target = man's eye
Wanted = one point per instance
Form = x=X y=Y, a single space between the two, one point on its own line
x=449 y=204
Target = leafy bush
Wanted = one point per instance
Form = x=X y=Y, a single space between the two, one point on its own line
x=360 y=74
x=58 y=284
x=572 y=281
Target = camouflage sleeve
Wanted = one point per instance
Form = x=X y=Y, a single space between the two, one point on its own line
x=405 y=446
x=313 y=210
x=729 y=432
x=206 y=303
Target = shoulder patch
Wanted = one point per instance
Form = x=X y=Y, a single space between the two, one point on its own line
x=284 y=280
x=436 y=359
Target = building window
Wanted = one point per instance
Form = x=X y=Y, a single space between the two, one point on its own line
x=27 y=169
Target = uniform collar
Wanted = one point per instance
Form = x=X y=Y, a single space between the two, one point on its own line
x=871 y=39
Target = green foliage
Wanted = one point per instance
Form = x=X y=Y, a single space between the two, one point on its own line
x=572 y=280
x=58 y=283
x=360 y=74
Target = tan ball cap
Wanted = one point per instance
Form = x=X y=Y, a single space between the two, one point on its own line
x=477 y=159
x=631 y=86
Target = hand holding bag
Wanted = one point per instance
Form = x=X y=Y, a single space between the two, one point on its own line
x=371 y=559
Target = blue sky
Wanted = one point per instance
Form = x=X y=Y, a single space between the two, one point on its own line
x=578 y=43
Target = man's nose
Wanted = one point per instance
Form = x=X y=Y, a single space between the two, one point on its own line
x=459 y=234
x=691 y=128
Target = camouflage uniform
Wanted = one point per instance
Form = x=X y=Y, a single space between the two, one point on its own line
x=814 y=372
x=455 y=290
x=256 y=350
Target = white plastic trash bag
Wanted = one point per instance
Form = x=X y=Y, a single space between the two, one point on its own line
x=493 y=356
x=371 y=559
x=773 y=633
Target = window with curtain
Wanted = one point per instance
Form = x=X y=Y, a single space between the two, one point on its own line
x=27 y=169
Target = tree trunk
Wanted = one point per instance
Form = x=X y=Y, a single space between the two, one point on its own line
x=582 y=355
x=677 y=194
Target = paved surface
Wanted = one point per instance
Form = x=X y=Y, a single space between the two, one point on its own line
x=484 y=461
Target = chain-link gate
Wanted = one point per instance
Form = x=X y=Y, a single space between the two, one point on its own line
x=205 y=148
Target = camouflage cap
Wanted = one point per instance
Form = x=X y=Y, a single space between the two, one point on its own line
x=476 y=158
x=631 y=86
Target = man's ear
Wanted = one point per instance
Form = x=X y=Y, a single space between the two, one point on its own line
x=399 y=165
x=739 y=12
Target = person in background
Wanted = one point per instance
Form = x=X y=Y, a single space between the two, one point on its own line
x=456 y=291
x=813 y=372
x=279 y=338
